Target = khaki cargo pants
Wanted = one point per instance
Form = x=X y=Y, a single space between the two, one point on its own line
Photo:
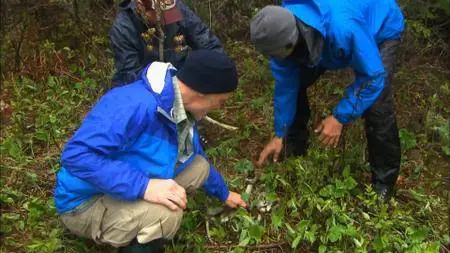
x=116 y=222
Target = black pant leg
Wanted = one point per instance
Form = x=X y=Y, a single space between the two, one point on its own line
x=298 y=134
x=381 y=127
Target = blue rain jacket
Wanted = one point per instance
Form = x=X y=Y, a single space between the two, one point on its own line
x=352 y=32
x=127 y=139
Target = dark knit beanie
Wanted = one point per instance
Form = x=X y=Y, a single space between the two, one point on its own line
x=207 y=72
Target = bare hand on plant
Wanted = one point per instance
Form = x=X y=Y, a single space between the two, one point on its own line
x=330 y=130
x=235 y=200
x=273 y=148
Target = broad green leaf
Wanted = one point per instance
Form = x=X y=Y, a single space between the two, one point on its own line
x=244 y=166
x=366 y=215
x=244 y=242
x=322 y=248
x=346 y=172
x=296 y=241
x=277 y=220
x=350 y=183
x=432 y=247
x=335 y=234
x=302 y=225
x=256 y=232
x=310 y=236
x=408 y=140
x=245 y=197
x=418 y=235
x=379 y=244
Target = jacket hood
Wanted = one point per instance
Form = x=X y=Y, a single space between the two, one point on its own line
x=312 y=22
x=158 y=79
x=314 y=13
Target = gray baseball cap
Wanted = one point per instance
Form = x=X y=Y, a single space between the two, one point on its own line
x=272 y=29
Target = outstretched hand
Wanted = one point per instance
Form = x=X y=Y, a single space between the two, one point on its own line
x=329 y=131
x=235 y=200
x=273 y=148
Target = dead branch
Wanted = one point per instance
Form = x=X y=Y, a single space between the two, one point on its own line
x=256 y=247
x=215 y=122
x=159 y=27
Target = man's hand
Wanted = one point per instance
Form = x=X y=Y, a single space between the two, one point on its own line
x=274 y=148
x=330 y=130
x=166 y=192
x=235 y=200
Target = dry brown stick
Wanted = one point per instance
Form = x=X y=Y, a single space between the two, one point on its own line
x=159 y=27
x=257 y=247
x=223 y=125
x=62 y=72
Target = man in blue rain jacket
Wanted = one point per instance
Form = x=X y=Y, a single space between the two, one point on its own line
x=305 y=38
x=126 y=171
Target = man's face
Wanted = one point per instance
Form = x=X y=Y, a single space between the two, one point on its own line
x=206 y=103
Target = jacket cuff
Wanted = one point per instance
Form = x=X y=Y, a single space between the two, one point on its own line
x=281 y=132
x=341 y=117
x=223 y=195
x=143 y=187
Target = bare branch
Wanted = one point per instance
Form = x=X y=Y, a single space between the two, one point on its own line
x=215 y=122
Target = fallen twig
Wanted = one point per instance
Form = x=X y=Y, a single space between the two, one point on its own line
x=256 y=247
x=215 y=122
x=208 y=234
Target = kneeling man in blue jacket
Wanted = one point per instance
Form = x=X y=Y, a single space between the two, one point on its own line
x=304 y=39
x=126 y=171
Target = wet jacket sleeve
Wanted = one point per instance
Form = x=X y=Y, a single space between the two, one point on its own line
x=369 y=82
x=215 y=184
x=89 y=153
x=198 y=35
x=126 y=56
x=286 y=75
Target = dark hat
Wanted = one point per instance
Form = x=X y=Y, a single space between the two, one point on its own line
x=207 y=71
x=272 y=29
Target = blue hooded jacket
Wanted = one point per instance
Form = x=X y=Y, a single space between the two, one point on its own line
x=351 y=32
x=127 y=139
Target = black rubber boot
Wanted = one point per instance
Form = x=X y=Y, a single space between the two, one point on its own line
x=155 y=246
x=384 y=192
